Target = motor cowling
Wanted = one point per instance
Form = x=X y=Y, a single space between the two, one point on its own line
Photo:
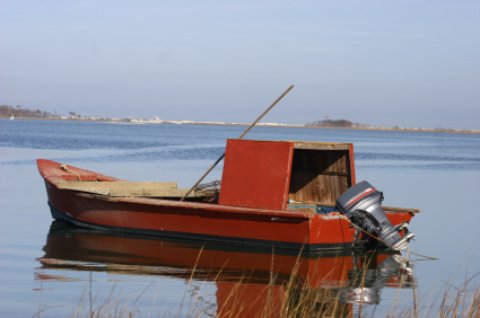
x=362 y=204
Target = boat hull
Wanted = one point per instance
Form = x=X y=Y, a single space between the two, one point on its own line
x=193 y=220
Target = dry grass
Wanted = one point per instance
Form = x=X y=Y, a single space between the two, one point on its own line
x=285 y=297
x=289 y=302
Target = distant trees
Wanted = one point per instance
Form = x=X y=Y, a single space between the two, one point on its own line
x=19 y=111
x=74 y=115
x=334 y=123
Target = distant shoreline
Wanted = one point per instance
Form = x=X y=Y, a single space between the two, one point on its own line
x=213 y=123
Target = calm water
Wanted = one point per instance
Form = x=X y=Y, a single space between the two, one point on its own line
x=48 y=270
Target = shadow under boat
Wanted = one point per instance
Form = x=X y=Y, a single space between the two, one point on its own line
x=355 y=276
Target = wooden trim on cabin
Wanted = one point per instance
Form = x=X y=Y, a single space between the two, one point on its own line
x=351 y=159
x=286 y=193
x=321 y=145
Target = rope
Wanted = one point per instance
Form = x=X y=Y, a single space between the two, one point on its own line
x=380 y=240
x=425 y=256
x=68 y=170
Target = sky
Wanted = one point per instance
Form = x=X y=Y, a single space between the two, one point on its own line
x=409 y=63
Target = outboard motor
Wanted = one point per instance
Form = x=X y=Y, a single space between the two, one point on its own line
x=362 y=204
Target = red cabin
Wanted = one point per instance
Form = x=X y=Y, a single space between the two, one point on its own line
x=285 y=175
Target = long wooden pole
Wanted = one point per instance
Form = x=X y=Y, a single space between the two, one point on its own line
x=241 y=136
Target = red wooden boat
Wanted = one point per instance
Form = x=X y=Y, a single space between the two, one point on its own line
x=273 y=193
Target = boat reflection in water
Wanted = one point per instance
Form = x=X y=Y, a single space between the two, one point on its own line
x=246 y=280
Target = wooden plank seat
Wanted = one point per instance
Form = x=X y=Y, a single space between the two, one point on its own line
x=126 y=188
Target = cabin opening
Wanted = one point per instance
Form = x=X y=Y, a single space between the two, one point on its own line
x=319 y=176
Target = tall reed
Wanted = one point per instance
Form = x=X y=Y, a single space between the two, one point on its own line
x=279 y=295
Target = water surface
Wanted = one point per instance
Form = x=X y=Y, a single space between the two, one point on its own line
x=438 y=173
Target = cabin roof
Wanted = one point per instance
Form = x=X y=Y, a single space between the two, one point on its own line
x=311 y=145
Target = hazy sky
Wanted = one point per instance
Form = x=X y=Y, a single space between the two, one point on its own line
x=410 y=63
